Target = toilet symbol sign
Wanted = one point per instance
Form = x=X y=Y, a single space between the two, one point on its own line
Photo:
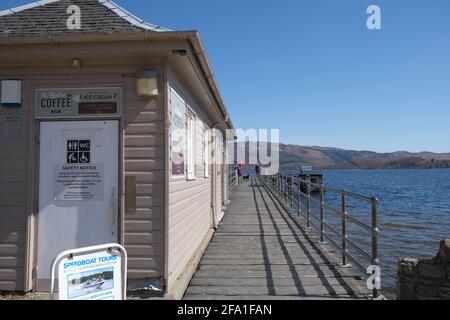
x=78 y=151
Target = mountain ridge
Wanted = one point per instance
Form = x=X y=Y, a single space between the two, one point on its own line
x=331 y=157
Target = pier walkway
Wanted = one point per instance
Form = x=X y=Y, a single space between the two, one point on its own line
x=262 y=252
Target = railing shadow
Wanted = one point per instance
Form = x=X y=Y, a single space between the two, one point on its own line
x=295 y=275
x=291 y=222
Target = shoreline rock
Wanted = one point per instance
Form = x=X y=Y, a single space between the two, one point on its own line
x=426 y=279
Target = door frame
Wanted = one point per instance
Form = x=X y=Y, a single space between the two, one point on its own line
x=35 y=192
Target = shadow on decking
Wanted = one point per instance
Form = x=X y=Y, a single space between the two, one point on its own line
x=290 y=221
x=262 y=251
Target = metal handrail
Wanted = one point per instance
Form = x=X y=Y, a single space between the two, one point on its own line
x=285 y=186
x=232 y=182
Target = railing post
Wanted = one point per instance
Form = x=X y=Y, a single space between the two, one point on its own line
x=286 y=188
x=280 y=178
x=344 y=228
x=292 y=191
x=375 y=261
x=299 y=195
x=308 y=204
x=279 y=183
x=282 y=185
x=322 y=202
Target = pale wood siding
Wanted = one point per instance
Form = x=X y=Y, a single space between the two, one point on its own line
x=144 y=159
x=219 y=178
x=14 y=193
x=189 y=201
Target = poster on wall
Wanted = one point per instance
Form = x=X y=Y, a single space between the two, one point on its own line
x=94 y=276
x=78 y=182
x=12 y=126
x=178 y=134
x=78 y=179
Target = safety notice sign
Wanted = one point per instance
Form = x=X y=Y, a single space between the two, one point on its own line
x=79 y=182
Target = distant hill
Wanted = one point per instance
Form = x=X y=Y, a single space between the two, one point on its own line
x=325 y=157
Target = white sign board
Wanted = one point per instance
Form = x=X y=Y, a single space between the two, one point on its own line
x=13 y=126
x=178 y=134
x=93 y=273
x=78 y=103
x=78 y=182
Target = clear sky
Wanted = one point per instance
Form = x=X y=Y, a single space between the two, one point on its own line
x=312 y=68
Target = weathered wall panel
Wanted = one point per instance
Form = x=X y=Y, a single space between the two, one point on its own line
x=189 y=201
x=14 y=196
x=143 y=157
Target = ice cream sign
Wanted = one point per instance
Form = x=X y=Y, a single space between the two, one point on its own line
x=78 y=103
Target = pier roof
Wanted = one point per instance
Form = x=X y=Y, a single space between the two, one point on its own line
x=50 y=18
x=45 y=21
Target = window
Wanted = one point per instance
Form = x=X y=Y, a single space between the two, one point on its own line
x=178 y=135
x=190 y=146
x=206 y=152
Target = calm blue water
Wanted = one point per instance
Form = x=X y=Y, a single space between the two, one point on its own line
x=413 y=212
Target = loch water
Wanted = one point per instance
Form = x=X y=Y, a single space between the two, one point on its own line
x=413 y=213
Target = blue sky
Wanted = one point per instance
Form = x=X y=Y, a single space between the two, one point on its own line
x=312 y=69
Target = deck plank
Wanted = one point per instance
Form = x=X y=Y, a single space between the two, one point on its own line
x=262 y=252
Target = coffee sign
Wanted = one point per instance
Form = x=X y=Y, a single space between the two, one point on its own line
x=78 y=103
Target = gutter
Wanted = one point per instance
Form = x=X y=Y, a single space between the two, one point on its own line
x=191 y=36
x=202 y=59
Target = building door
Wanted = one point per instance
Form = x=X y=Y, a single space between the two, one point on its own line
x=78 y=189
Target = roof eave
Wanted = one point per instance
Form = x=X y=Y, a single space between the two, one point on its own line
x=192 y=36
x=94 y=37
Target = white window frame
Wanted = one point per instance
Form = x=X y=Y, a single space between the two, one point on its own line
x=183 y=175
x=190 y=165
x=206 y=155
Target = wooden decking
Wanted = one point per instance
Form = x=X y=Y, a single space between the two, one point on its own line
x=262 y=252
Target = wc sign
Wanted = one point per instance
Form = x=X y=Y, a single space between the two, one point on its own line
x=78 y=151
